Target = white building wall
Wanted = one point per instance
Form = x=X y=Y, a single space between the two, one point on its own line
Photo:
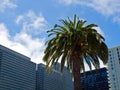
x=114 y=68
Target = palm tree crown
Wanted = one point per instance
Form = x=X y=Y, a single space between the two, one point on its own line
x=75 y=42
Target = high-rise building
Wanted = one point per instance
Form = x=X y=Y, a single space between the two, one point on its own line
x=17 y=72
x=53 y=81
x=114 y=68
x=95 y=80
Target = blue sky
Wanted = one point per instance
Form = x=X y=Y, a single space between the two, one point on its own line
x=23 y=23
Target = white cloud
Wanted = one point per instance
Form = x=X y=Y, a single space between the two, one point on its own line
x=33 y=47
x=4 y=35
x=99 y=30
x=116 y=19
x=25 y=41
x=31 y=23
x=5 y=4
x=67 y=2
x=19 y=18
x=108 y=8
x=105 y=7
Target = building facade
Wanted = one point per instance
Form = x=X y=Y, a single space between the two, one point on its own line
x=114 y=68
x=53 y=81
x=17 y=72
x=95 y=80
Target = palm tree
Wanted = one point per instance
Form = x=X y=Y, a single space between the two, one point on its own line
x=75 y=44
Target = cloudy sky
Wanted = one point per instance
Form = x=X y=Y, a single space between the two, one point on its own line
x=23 y=23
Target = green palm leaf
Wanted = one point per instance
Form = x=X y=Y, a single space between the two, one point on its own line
x=73 y=44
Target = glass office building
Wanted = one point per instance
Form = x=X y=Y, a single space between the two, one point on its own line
x=17 y=72
x=91 y=80
x=95 y=80
x=53 y=81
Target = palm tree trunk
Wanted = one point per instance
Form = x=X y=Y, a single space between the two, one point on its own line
x=76 y=74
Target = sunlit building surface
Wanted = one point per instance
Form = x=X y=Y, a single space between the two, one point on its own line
x=114 y=68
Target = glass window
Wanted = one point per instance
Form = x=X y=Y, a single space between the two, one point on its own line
x=112 y=68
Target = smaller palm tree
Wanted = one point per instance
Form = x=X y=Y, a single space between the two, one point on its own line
x=75 y=44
